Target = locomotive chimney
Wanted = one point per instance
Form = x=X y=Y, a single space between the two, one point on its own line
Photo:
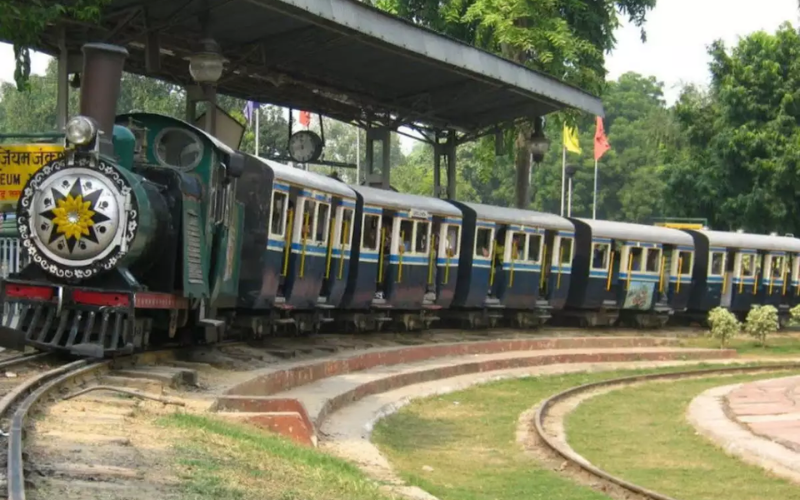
x=100 y=87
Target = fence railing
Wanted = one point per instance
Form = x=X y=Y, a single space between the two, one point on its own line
x=12 y=260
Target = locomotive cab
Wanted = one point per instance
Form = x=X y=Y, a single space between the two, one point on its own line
x=107 y=225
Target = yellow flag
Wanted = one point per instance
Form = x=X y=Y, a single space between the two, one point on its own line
x=571 y=139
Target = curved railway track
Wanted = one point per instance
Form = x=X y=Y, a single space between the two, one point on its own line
x=35 y=379
x=540 y=425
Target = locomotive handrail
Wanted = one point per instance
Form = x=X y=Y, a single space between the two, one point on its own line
x=491 y=263
x=725 y=283
x=610 y=270
x=630 y=269
x=680 y=266
x=380 y=255
x=288 y=242
x=543 y=261
x=785 y=279
x=661 y=274
x=771 y=281
x=448 y=254
x=513 y=253
x=431 y=259
x=330 y=248
x=560 y=260
x=305 y=241
x=755 y=282
x=400 y=251
x=346 y=228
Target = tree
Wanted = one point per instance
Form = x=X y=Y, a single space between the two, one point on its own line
x=23 y=22
x=743 y=160
x=567 y=39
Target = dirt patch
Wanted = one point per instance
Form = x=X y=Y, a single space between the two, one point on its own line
x=101 y=446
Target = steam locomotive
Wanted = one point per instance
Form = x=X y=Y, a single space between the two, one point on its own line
x=149 y=230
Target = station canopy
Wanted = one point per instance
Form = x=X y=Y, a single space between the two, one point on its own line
x=341 y=58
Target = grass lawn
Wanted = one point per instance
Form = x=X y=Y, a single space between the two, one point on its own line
x=641 y=434
x=468 y=438
x=780 y=344
x=218 y=460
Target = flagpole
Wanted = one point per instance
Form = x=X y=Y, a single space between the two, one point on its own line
x=594 y=199
x=258 y=112
x=563 y=175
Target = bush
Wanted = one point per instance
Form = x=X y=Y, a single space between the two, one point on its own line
x=724 y=325
x=795 y=315
x=762 y=321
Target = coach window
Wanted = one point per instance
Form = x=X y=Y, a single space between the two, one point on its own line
x=600 y=254
x=683 y=259
x=483 y=242
x=716 y=264
x=421 y=237
x=517 y=245
x=278 y=216
x=406 y=235
x=345 y=226
x=369 y=236
x=653 y=263
x=450 y=245
x=534 y=247
x=307 y=219
x=775 y=268
x=635 y=258
x=321 y=224
x=563 y=253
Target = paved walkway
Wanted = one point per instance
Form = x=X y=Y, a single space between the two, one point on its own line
x=757 y=422
x=770 y=409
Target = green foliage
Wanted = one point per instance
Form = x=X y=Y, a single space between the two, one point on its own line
x=742 y=162
x=23 y=21
x=724 y=325
x=761 y=321
x=795 y=315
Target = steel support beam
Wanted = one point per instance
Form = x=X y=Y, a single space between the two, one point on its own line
x=62 y=99
x=444 y=151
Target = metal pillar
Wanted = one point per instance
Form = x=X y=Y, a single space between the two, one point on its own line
x=444 y=148
x=205 y=93
x=62 y=100
x=378 y=167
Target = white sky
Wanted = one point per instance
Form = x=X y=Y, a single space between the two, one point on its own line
x=678 y=33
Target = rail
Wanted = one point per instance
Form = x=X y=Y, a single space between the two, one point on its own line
x=571 y=456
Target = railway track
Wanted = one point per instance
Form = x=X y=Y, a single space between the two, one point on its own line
x=543 y=424
x=34 y=377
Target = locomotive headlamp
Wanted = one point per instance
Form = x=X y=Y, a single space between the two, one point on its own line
x=81 y=130
x=206 y=66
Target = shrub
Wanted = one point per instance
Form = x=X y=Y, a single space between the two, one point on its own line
x=795 y=315
x=762 y=321
x=724 y=325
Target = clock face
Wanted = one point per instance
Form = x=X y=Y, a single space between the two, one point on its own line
x=305 y=146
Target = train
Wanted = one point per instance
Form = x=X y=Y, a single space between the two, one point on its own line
x=149 y=231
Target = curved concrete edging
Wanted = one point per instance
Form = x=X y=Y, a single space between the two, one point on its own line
x=346 y=432
x=317 y=399
x=707 y=414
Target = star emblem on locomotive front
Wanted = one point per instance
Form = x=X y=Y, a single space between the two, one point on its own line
x=74 y=214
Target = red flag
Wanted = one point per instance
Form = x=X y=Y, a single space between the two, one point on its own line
x=601 y=144
x=305 y=118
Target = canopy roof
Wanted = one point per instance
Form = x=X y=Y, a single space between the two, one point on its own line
x=341 y=58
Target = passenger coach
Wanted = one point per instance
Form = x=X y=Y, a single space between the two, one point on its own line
x=632 y=270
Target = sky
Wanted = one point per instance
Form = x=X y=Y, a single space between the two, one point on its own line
x=678 y=34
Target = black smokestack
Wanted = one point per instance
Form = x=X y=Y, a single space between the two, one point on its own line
x=100 y=86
